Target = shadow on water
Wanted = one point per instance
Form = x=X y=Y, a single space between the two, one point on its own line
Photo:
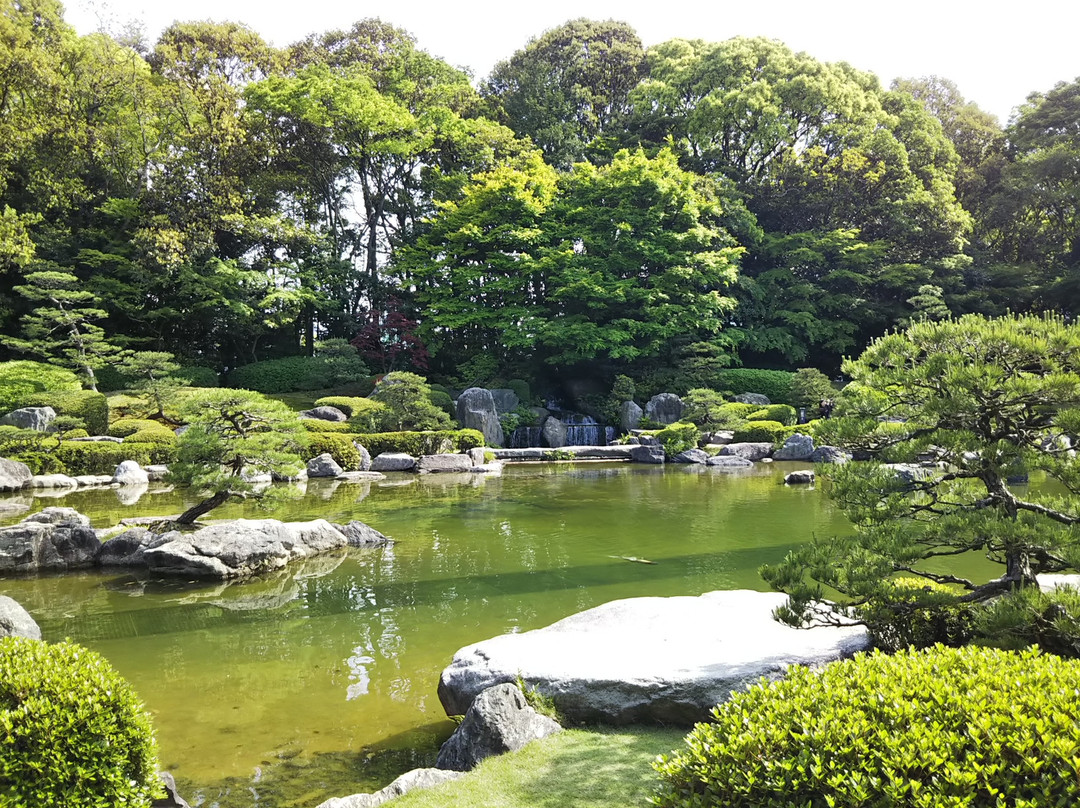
x=196 y=607
x=295 y=780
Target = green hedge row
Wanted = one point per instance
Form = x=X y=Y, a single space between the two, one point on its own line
x=90 y=407
x=86 y=457
x=759 y=432
x=776 y=384
x=421 y=443
x=296 y=373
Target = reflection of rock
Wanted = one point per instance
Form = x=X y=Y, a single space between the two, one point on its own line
x=242 y=548
x=11 y=507
x=499 y=720
x=415 y=780
x=648 y=659
x=172 y=798
x=14 y=475
x=130 y=494
x=52 y=539
x=15 y=621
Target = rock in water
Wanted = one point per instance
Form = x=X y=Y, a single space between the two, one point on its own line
x=52 y=539
x=15 y=621
x=796 y=447
x=748 y=451
x=801 y=477
x=393 y=461
x=476 y=410
x=647 y=454
x=665 y=660
x=14 y=475
x=130 y=473
x=414 y=780
x=499 y=720
x=323 y=465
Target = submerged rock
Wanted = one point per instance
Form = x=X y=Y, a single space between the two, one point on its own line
x=498 y=721
x=666 y=660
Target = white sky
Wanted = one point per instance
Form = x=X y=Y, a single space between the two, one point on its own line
x=995 y=52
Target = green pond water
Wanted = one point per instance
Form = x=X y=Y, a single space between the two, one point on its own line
x=321 y=680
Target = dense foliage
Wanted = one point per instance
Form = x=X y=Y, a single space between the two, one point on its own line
x=75 y=733
x=990 y=401
x=944 y=727
x=596 y=208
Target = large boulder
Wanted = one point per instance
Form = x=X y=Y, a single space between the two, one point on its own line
x=830 y=454
x=241 y=548
x=128 y=549
x=393 y=461
x=692 y=456
x=365 y=456
x=748 y=451
x=476 y=410
x=498 y=721
x=332 y=414
x=434 y=464
x=14 y=475
x=796 y=447
x=506 y=400
x=36 y=418
x=753 y=398
x=664 y=408
x=323 y=465
x=630 y=415
x=15 y=621
x=415 y=780
x=666 y=660
x=130 y=473
x=52 y=539
x=554 y=432
x=647 y=453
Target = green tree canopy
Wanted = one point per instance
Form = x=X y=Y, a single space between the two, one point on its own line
x=989 y=399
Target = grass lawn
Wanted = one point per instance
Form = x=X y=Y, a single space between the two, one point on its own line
x=585 y=769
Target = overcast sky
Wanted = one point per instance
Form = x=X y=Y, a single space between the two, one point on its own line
x=996 y=53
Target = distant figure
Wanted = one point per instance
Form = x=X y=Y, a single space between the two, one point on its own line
x=825 y=407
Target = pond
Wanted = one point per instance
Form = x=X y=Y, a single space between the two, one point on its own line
x=321 y=680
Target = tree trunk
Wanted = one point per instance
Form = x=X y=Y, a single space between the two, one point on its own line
x=189 y=516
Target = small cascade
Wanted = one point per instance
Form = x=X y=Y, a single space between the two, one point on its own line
x=582 y=430
x=525 y=437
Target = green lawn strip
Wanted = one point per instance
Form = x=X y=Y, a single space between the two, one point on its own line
x=587 y=769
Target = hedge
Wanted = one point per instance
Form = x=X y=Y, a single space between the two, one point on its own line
x=784 y=413
x=295 y=373
x=22 y=379
x=759 y=432
x=340 y=447
x=319 y=425
x=350 y=405
x=973 y=727
x=421 y=443
x=86 y=405
x=129 y=426
x=93 y=457
x=776 y=384
x=75 y=733
x=159 y=436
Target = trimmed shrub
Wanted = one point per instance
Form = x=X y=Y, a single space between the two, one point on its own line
x=809 y=386
x=319 y=425
x=340 y=447
x=442 y=401
x=350 y=405
x=784 y=413
x=79 y=457
x=295 y=373
x=406 y=398
x=198 y=376
x=759 y=432
x=159 y=437
x=75 y=732
x=129 y=426
x=678 y=437
x=21 y=380
x=421 y=443
x=918 y=613
x=977 y=727
x=776 y=384
x=89 y=407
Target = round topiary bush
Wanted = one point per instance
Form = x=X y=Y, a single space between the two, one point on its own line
x=973 y=727
x=759 y=432
x=129 y=426
x=73 y=731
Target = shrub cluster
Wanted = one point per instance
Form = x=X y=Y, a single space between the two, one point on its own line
x=421 y=443
x=198 y=376
x=123 y=427
x=295 y=373
x=678 y=437
x=340 y=447
x=759 y=432
x=79 y=457
x=350 y=405
x=91 y=408
x=75 y=733
x=977 y=727
x=784 y=413
x=22 y=379
x=918 y=613
x=319 y=425
x=776 y=384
